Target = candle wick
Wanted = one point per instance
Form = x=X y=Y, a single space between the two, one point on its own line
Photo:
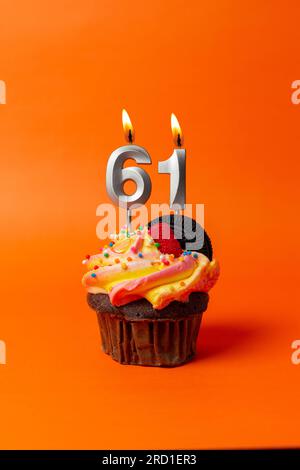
x=130 y=136
x=178 y=140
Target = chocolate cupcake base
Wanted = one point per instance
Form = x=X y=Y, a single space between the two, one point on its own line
x=164 y=342
x=138 y=334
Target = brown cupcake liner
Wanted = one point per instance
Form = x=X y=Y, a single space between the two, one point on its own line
x=158 y=342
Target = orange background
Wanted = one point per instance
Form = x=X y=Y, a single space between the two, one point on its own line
x=225 y=68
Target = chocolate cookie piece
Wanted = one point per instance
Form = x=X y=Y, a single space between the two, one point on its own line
x=187 y=230
x=142 y=309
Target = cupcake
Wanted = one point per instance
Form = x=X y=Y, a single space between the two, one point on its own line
x=149 y=295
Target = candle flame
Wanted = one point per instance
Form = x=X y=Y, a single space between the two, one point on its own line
x=176 y=131
x=128 y=127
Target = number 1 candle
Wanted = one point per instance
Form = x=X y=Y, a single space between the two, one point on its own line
x=176 y=167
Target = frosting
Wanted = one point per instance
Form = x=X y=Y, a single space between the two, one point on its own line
x=132 y=267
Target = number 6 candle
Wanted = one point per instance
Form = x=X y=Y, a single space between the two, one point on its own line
x=116 y=175
x=176 y=167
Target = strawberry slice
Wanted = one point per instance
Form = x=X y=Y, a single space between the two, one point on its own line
x=164 y=235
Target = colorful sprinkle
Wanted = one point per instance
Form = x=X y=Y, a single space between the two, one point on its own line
x=166 y=262
x=106 y=255
x=195 y=255
x=133 y=249
x=94 y=275
x=129 y=258
x=111 y=244
x=182 y=283
x=96 y=267
x=141 y=227
x=140 y=255
x=117 y=260
x=157 y=244
x=88 y=256
x=124 y=266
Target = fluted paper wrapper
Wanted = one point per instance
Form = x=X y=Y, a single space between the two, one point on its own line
x=157 y=342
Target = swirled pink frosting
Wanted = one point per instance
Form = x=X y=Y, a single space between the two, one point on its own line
x=131 y=267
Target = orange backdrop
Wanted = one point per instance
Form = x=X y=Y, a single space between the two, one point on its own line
x=225 y=68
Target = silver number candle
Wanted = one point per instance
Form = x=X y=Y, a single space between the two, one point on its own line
x=176 y=167
x=117 y=175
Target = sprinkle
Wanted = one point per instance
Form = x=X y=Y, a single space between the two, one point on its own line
x=105 y=246
x=96 y=267
x=157 y=244
x=111 y=244
x=124 y=266
x=133 y=249
x=88 y=256
x=171 y=256
x=182 y=283
x=84 y=261
x=106 y=255
x=94 y=275
x=188 y=252
x=138 y=232
x=141 y=227
x=129 y=258
x=166 y=262
x=140 y=255
x=181 y=258
x=117 y=260
x=195 y=255
x=101 y=249
x=123 y=231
